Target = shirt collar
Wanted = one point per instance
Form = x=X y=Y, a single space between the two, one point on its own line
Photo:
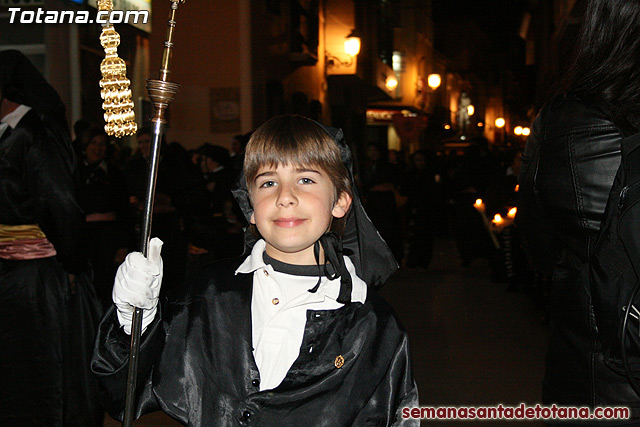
x=14 y=117
x=255 y=261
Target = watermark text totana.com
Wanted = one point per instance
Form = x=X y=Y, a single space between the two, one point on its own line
x=18 y=15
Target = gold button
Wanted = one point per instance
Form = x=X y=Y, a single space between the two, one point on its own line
x=275 y=301
x=339 y=362
x=266 y=273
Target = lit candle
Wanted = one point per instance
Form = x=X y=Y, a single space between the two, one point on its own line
x=497 y=219
x=512 y=212
x=479 y=205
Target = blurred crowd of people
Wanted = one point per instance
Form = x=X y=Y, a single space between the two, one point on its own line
x=412 y=200
x=194 y=213
x=433 y=195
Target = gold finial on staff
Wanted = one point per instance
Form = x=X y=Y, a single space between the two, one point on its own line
x=161 y=90
x=117 y=105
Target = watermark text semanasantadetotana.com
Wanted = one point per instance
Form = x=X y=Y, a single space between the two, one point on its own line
x=521 y=412
x=40 y=16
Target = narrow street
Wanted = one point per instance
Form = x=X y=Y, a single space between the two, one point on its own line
x=473 y=343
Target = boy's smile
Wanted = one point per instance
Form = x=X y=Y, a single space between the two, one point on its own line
x=293 y=207
x=288 y=222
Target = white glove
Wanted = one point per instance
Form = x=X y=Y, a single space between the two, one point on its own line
x=137 y=284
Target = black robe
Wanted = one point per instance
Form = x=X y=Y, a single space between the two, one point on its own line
x=47 y=330
x=196 y=362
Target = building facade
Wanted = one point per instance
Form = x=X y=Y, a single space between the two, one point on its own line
x=242 y=62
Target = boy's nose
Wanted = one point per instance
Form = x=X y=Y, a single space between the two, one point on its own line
x=286 y=196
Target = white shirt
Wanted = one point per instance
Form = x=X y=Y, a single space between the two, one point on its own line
x=13 y=118
x=279 y=305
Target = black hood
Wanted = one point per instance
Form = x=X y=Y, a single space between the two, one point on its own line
x=22 y=83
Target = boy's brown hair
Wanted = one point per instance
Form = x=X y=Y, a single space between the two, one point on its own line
x=297 y=140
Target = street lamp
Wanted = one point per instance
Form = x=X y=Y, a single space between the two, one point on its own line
x=433 y=81
x=352 y=44
x=391 y=83
x=351 y=48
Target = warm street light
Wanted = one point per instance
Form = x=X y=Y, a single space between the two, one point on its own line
x=351 y=48
x=526 y=131
x=391 y=83
x=352 y=44
x=434 y=80
x=500 y=122
x=517 y=130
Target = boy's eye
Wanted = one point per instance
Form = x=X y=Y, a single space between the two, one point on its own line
x=267 y=184
x=306 y=181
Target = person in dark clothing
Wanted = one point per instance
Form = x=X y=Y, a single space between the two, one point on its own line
x=103 y=197
x=48 y=308
x=80 y=128
x=218 y=176
x=214 y=227
x=568 y=168
x=174 y=179
x=292 y=334
x=379 y=193
x=420 y=188
x=238 y=145
x=472 y=177
x=505 y=199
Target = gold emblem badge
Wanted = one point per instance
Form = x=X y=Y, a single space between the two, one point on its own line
x=339 y=362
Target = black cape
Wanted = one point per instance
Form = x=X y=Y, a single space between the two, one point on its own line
x=47 y=327
x=196 y=363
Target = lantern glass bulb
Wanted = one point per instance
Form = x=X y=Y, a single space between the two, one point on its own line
x=391 y=83
x=352 y=45
x=434 y=80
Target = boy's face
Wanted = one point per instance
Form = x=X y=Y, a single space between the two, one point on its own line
x=293 y=207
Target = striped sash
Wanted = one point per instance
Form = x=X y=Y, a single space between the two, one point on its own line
x=23 y=242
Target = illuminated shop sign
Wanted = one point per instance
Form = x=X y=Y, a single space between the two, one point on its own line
x=382 y=116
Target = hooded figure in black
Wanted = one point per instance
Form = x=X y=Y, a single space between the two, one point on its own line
x=48 y=309
x=265 y=339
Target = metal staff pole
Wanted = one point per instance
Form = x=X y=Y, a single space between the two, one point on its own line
x=161 y=93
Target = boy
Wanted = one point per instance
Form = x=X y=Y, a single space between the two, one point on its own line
x=288 y=336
